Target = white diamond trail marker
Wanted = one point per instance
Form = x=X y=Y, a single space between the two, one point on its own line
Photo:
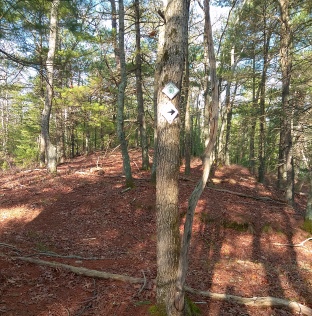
x=170 y=90
x=168 y=111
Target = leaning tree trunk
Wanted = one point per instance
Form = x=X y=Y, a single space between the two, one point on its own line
x=207 y=163
x=171 y=67
x=49 y=148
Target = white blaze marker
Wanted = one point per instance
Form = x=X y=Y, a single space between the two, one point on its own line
x=168 y=111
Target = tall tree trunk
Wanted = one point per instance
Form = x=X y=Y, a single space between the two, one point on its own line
x=207 y=163
x=252 y=156
x=184 y=103
x=50 y=149
x=262 y=157
x=139 y=92
x=4 y=103
x=121 y=99
x=285 y=150
x=205 y=131
x=228 y=104
x=172 y=62
x=42 y=149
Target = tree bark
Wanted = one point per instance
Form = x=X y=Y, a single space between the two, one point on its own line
x=49 y=148
x=171 y=67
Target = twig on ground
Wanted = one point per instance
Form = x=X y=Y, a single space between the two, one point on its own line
x=301 y=244
x=10 y=246
x=136 y=165
x=125 y=190
x=55 y=255
x=144 y=284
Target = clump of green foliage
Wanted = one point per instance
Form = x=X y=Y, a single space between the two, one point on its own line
x=191 y=309
x=157 y=310
x=307 y=225
x=240 y=227
x=267 y=228
x=206 y=218
x=5 y=166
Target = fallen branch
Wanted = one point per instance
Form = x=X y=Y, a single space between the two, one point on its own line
x=261 y=198
x=9 y=246
x=301 y=244
x=260 y=302
x=125 y=190
x=83 y=271
x=144 y=284
x=53 y=254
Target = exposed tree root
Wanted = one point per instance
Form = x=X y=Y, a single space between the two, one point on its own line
x=260 y=302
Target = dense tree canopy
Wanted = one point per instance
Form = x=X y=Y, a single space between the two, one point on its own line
x=248 y=39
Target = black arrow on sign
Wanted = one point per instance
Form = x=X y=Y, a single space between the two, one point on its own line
x=172 y=111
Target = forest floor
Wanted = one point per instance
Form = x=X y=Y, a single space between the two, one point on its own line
x=243 y=244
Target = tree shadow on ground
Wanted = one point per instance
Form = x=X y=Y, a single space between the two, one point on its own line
x=234 y=245
x=81 y=219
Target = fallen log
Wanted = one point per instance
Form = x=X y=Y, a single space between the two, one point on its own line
x=260 y=302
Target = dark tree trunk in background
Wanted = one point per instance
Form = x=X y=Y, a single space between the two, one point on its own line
x=262 y=138
x=187 y=137
x=121 y=99
x=139 y=90
x=285 y=170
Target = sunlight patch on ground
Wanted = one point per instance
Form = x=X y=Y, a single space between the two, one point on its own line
x=20 y=213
